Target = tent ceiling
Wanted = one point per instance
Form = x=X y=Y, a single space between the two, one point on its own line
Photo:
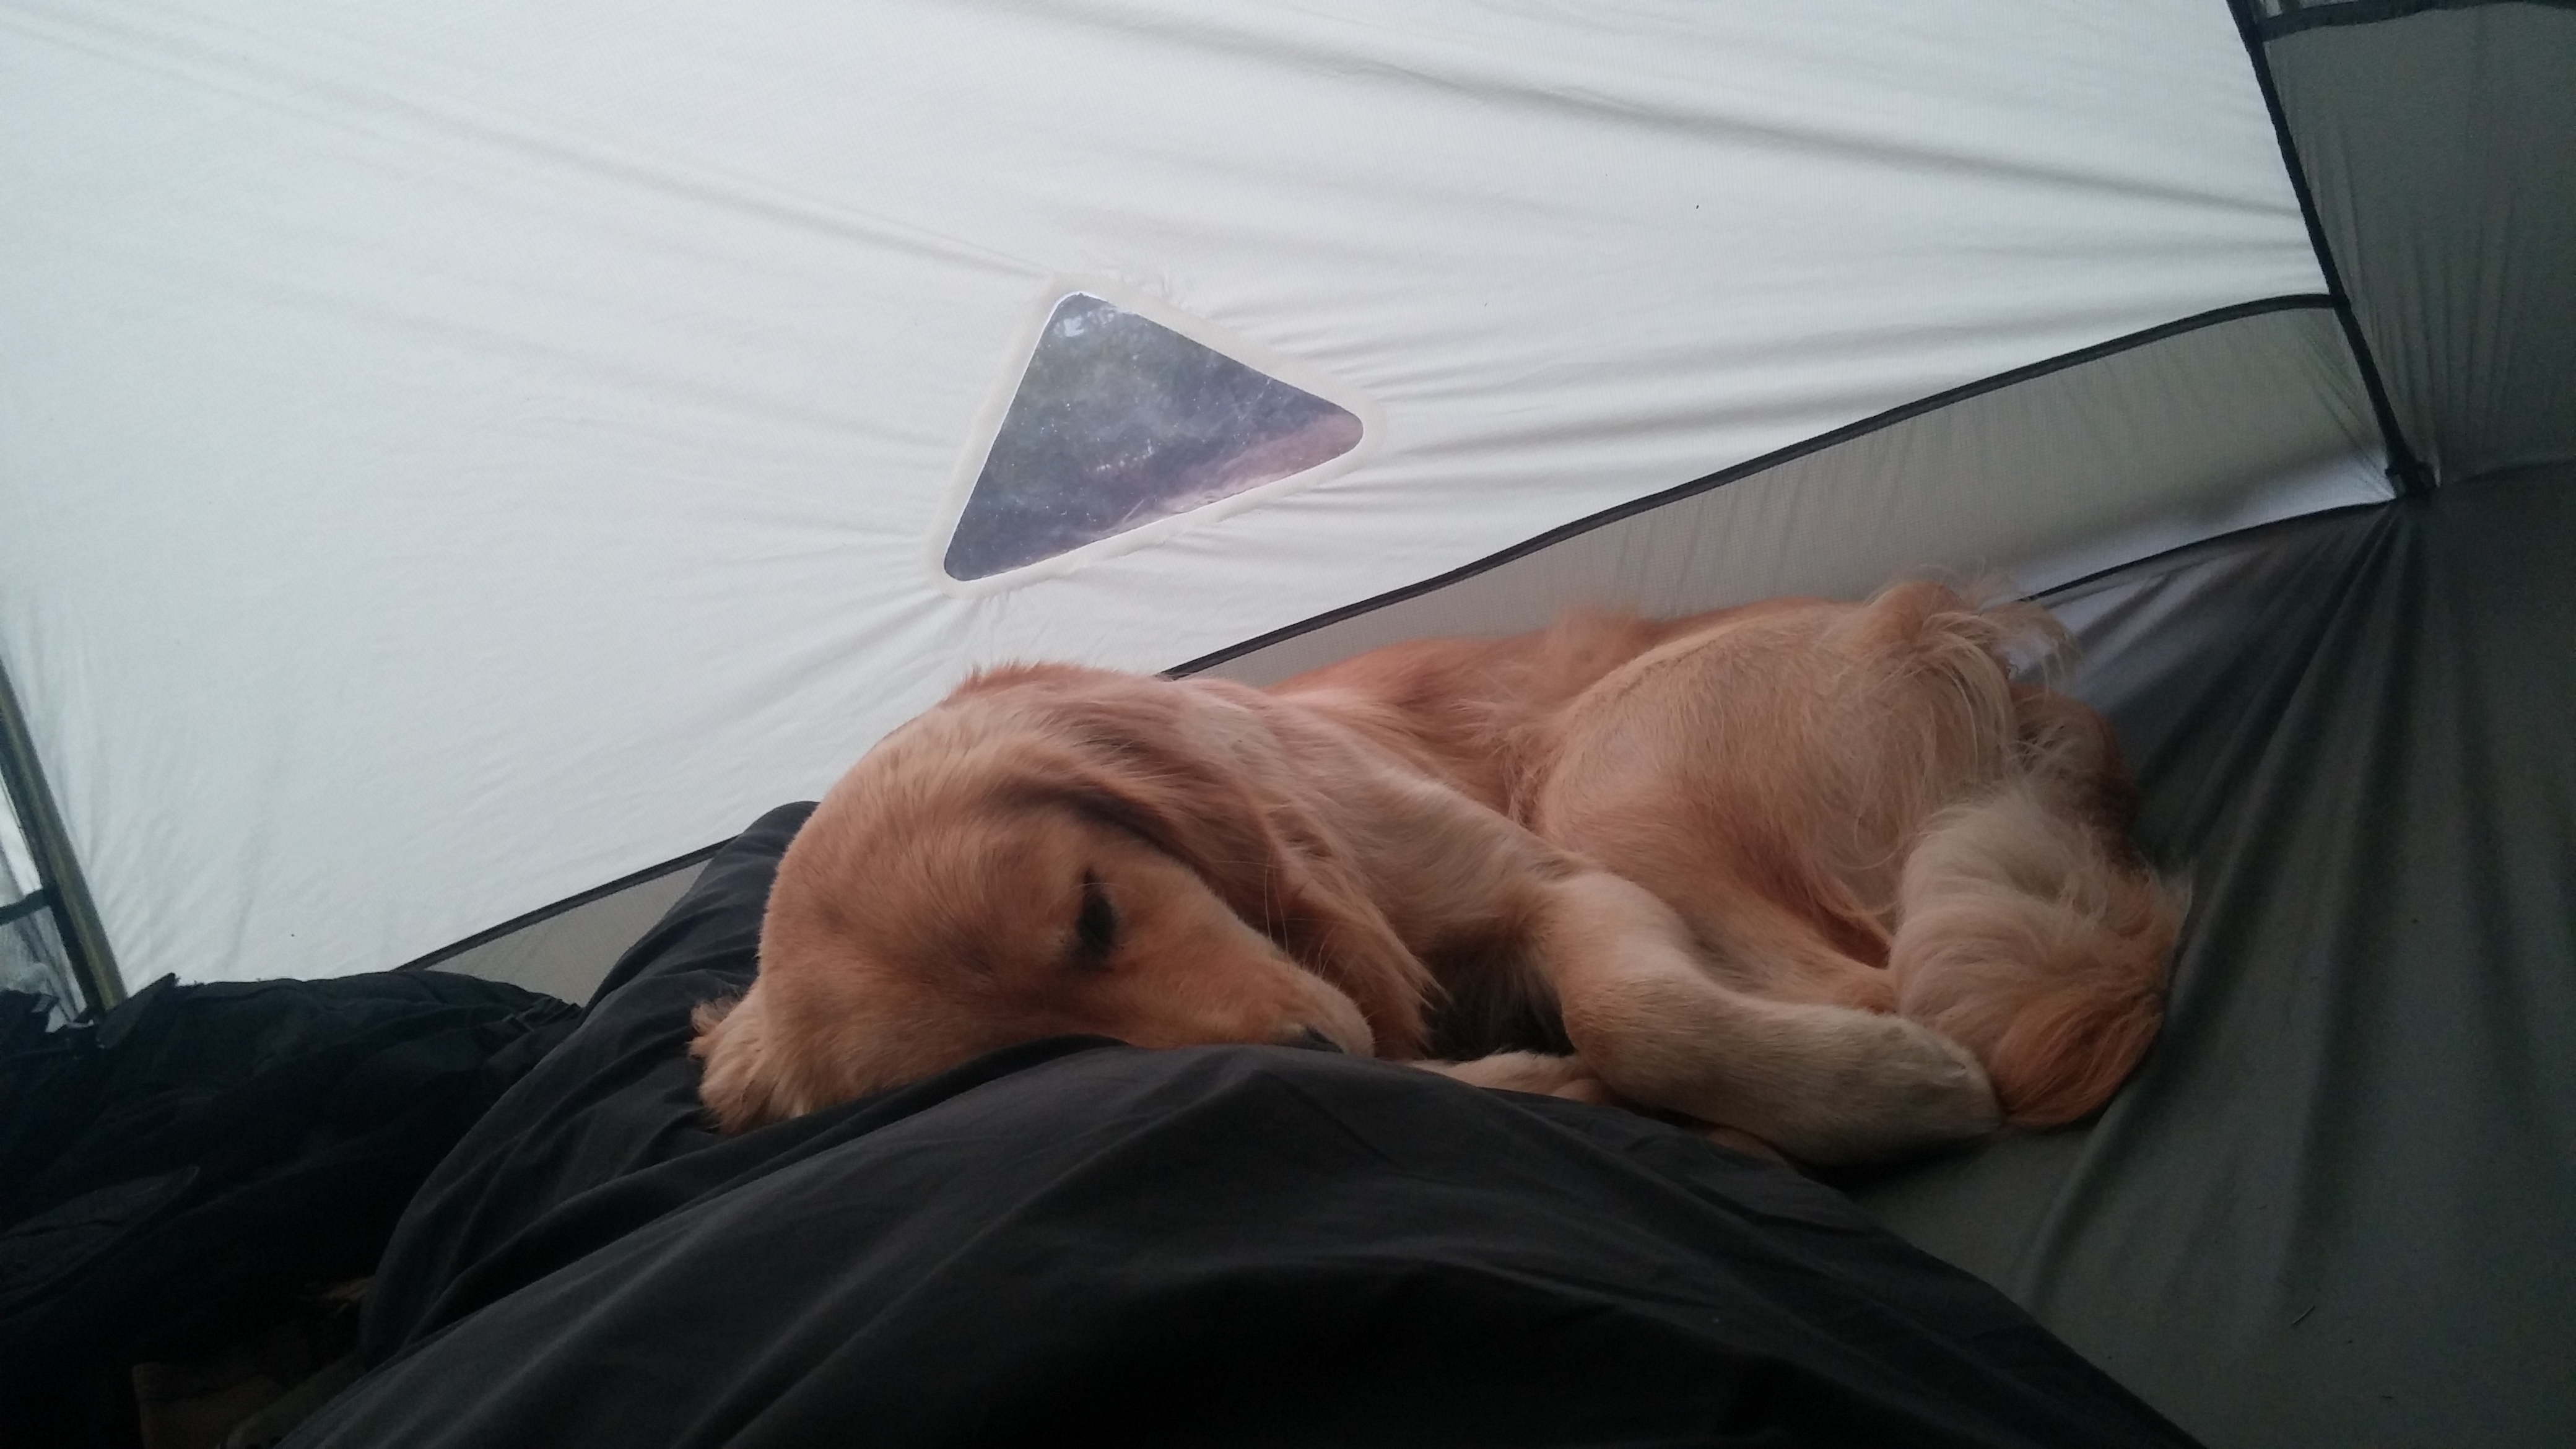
x=2441 y=148
x=452 y=456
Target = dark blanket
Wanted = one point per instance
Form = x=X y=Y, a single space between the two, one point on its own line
x=185 y=1174
x=1079 y=1239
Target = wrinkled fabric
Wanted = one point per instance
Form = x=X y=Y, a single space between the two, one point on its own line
x=181 y=1174
x=1077 y=1238
x=2337 y=1205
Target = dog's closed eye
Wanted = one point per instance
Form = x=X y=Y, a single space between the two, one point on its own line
x=1095 y=926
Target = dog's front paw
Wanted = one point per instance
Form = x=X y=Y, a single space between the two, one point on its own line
x=1739 y=1140
x=1569 y=1077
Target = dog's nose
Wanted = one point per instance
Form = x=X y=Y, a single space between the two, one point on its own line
x=1314 y=1041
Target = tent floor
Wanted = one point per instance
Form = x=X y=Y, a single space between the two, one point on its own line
x=2336 y=1204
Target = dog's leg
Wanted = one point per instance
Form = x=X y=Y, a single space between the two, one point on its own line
x=1755 y=945
x=1745 y=935
x=1824 y=1084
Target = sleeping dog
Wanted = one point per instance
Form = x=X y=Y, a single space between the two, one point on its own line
x=1823 y=873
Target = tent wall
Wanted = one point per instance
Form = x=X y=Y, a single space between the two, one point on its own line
x=2107 y=457
x=2337 y=1206
x=2440 y=146
x=454 y=456
x=2125 y=451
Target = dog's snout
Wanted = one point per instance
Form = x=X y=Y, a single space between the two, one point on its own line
x=1314 y=1041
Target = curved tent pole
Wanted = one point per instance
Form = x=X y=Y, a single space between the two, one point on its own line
x=2294 y=16
x=76 y=920
x=2405 y=469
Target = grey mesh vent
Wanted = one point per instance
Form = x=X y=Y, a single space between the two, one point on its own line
x=1120 y=421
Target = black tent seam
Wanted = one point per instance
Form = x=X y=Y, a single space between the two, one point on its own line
x=1763 y=464
x=39 y=899
x=2405 y=469
x=543 y=914
x=2232 y=536
x=2372 y=12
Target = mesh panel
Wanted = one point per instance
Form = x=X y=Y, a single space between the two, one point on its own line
x=32 y=960
x=1120 y=421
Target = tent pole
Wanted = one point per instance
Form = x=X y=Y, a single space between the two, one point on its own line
x=76 y=920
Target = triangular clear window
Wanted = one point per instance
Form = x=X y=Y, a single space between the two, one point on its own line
x=1120 y=421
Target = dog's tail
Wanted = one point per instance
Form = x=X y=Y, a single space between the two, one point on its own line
x=2035 y=938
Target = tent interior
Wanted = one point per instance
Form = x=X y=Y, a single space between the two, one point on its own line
x=459 y=470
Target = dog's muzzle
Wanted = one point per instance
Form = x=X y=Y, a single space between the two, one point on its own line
x=1313 y=1041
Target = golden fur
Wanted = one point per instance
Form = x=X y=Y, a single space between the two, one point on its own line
x=1822 y=873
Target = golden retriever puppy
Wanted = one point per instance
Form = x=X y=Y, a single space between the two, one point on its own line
x=1682 y=859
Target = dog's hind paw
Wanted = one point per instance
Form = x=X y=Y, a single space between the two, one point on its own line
x=1913 y=1089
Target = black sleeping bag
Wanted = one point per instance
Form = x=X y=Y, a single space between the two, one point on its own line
x=202 y=1167
x=1078 y=1239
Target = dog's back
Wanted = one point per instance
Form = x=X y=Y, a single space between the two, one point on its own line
x=1849 y=803
x=1474 y=711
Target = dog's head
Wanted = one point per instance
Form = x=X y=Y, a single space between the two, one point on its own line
x=1054 y=850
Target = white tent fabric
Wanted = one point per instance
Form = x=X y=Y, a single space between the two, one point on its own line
x=2032 y=484
x=451 y=456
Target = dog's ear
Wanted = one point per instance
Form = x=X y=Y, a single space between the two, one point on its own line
x=1261 y=838
x=740 y=1084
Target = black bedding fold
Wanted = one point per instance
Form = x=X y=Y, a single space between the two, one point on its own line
x=1075 y=1238
x=210 y=1162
